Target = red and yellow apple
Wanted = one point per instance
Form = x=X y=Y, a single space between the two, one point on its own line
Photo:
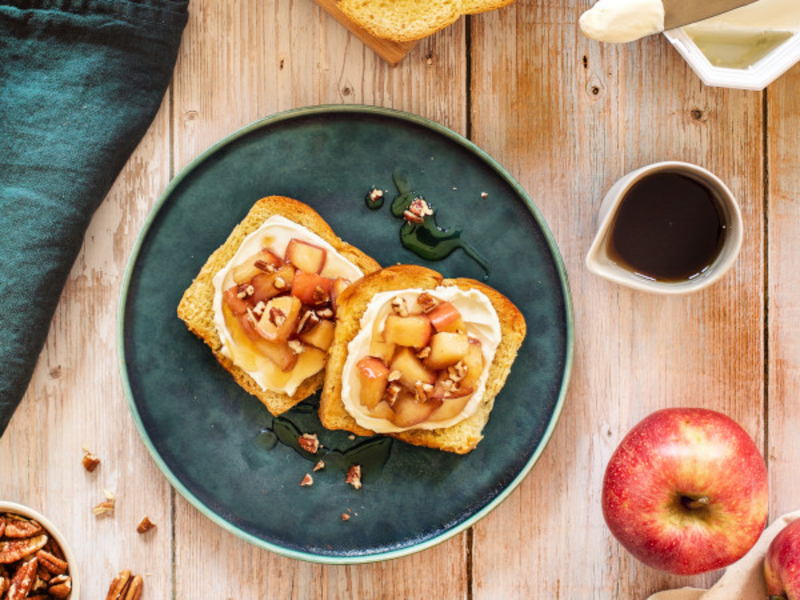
x=686 y=491
x=782 y=564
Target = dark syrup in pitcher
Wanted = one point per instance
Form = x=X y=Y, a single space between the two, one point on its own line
x=668 y=228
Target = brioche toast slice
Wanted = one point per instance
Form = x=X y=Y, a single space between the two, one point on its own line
x=459 y=438
x=409 y=20
x=196 y=306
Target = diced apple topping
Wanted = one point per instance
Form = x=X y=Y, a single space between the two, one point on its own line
x=409 y=412
x=311 y=288
x=446 y=349
x=446 y=317
x=238 y=305
x=433 y=365
x=411 y=369
x=374 y=377
x=306 y=257
x=320 y=336
x=268 y=285
x=263 y=262
x=278 y=352
x=280 y=319
x=413 y=331
x=473 y=363
x=339 y=285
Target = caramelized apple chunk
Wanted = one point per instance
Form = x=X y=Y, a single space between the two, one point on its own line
x=263 y=262
x=320 y=336
x=446 y=317
x=306 y=257
x=411 y=369
x=409 y=411
x=412 y=331
x=280 y=318
x=373 y=375
x=446 y=349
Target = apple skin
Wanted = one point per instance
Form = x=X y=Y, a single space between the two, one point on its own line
x=782 y=563
x=686 y=491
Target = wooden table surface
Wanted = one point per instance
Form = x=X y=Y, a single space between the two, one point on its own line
x=567 y=117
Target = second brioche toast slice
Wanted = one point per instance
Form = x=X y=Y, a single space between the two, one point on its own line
x=464 y=435
x=196 y=308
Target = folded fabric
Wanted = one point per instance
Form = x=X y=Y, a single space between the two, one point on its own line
x=743 y=580
x=80 y=82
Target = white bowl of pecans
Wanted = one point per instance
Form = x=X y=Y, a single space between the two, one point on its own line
x=35 y=560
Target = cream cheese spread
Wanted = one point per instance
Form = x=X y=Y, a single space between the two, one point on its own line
x=622 y=21
x=480 y=319
x=275 y=234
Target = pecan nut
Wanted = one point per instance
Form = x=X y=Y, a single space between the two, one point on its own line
x=19 y=528
x=354 y=476
x=90 y=461
x=119 y=586
x=60 y=587
x=135 y=589
x=23 y=580
x=145 y=525
x=15 y=550
x=51 y=563
x=309 y=442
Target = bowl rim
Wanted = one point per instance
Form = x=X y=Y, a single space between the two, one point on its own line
x=7 y=506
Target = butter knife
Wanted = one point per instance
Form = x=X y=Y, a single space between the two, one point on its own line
x=678 y=13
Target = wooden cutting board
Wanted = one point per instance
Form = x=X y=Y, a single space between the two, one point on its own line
x=391 y=52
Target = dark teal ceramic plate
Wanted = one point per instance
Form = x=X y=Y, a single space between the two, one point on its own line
x=217 y=444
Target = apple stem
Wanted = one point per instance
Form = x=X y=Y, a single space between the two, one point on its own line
x=694 y=503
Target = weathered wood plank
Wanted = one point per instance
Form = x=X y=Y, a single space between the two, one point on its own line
x=568 y=117
x=783 y=220
x=241 y=62
x=76 y=399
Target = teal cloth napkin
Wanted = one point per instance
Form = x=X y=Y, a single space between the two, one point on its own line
x=80 y=82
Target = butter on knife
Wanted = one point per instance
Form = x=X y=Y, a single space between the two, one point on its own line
x=622 y=21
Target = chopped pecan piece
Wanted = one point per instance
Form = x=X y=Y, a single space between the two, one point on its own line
x=90 y=461
x=412 y=218
x=308 y=321
x=279 y=283
x=325 y=313
x=14 y=550
x=309 y=442
x=23 y=580
x=145 y=525
x=308 y=481
x=103 y=508
x=391 y=393
x=264 y=266
x=2 y=526
x=277 y=317
x=458 y=371
x=319 y=296
x=319 y=466
x=354 y=476
x=427 y=302
x=420 y=208
x=119 y=586
x=19 y=528
x=296 y=346
x=51 y=563
x=399 y=306
x=394 y=375
x=345 y=517
x=424 y=353
x=43 y=573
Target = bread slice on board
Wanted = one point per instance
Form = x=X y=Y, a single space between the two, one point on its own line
x=461 y=437
x=409 y=20
x=196 y=307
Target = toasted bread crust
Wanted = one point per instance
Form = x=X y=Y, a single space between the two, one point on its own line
x=460 y=438
x=196 y=307
x=410 y=20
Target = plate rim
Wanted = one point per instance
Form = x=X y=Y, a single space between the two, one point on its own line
x=356 y=109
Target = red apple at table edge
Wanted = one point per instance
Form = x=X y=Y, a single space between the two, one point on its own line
x=686 y=491
x=782 y=564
